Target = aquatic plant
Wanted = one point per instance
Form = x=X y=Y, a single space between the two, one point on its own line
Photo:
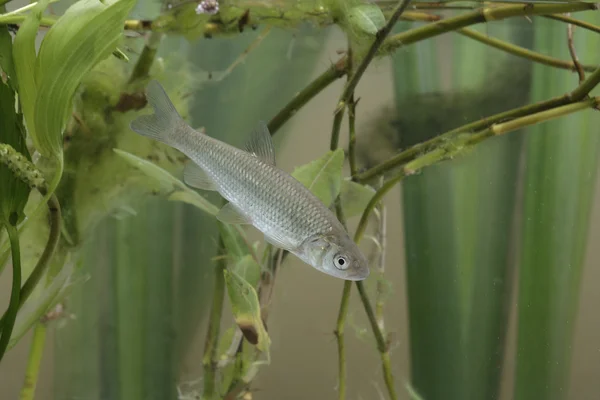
x=68 y=161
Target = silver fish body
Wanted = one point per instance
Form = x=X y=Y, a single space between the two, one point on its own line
x=259 y=193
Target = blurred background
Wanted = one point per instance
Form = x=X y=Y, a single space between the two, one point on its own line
x=491 y=264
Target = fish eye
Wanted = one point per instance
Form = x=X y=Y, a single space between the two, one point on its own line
x=341 y=262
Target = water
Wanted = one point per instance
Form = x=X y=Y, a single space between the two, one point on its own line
x=463 y=236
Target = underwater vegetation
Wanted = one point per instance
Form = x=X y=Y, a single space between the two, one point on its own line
x=496 y=157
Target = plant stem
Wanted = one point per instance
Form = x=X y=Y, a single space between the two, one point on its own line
x=382 y=344
x=211 y=346
x=352 y=135
x=42 y=264
x=13 y=306
x=506 y=127
x=334 y=72
x=338 y=69
x=44 y=261
x=410 y=154
x=360 y=70
x=477 y=17
x=522 y=52
x=346 y=97
x=580 y=68
x=144 y=62
x=35 y=359
x=576 y=22
x=339 y=333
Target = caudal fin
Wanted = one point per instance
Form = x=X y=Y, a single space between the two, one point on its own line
x=163 y=123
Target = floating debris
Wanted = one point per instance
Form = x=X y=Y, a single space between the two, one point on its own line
x=208 y=7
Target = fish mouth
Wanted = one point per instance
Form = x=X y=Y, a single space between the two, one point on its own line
x=359 y=275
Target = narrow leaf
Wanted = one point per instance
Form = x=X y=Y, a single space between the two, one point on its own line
x=246 y=310
x=323 y=177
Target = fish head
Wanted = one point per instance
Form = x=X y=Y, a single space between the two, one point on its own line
x=336 y=255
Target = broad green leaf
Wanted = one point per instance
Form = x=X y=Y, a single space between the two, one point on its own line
x=323 y=177
x=6 y=60
x=24 y=58
x=14 y=192
x=85 y=34
x=246 y=310
x=367 y=18
x=355 y=197
x=248 y=269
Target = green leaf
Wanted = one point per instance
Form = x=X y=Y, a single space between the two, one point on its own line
x=14 y=193
x=84 y=35
x=366 y=17
x=248 y=269
x=246 y=310
x=323 y=177
x=24 y=58
x=167 y=184
x=355 y=197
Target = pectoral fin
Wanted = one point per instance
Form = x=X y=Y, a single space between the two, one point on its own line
x=229 y=214
x=277 y=241
x=195 y=176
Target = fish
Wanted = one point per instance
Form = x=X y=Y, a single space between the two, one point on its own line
x=258 y=193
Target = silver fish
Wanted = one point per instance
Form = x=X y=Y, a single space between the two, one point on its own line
x=259 y=193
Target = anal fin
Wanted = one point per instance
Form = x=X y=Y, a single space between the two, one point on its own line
x=195 y=176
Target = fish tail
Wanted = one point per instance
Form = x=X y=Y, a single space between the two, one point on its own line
x=164 y=122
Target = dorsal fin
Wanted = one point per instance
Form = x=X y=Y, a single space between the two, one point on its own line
x=260 y=144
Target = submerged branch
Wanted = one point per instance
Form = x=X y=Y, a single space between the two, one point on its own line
x=415 y=151
x=360 y=70
x=580 y=69
x=339 y=334
x=523 y=52
x=440 y=26
x=569 y=20
x=333 y=73
x=211 y=346
x=146 y=59
x=476 y=17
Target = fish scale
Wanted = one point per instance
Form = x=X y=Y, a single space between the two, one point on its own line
x=259 y=193
x=251 y=184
